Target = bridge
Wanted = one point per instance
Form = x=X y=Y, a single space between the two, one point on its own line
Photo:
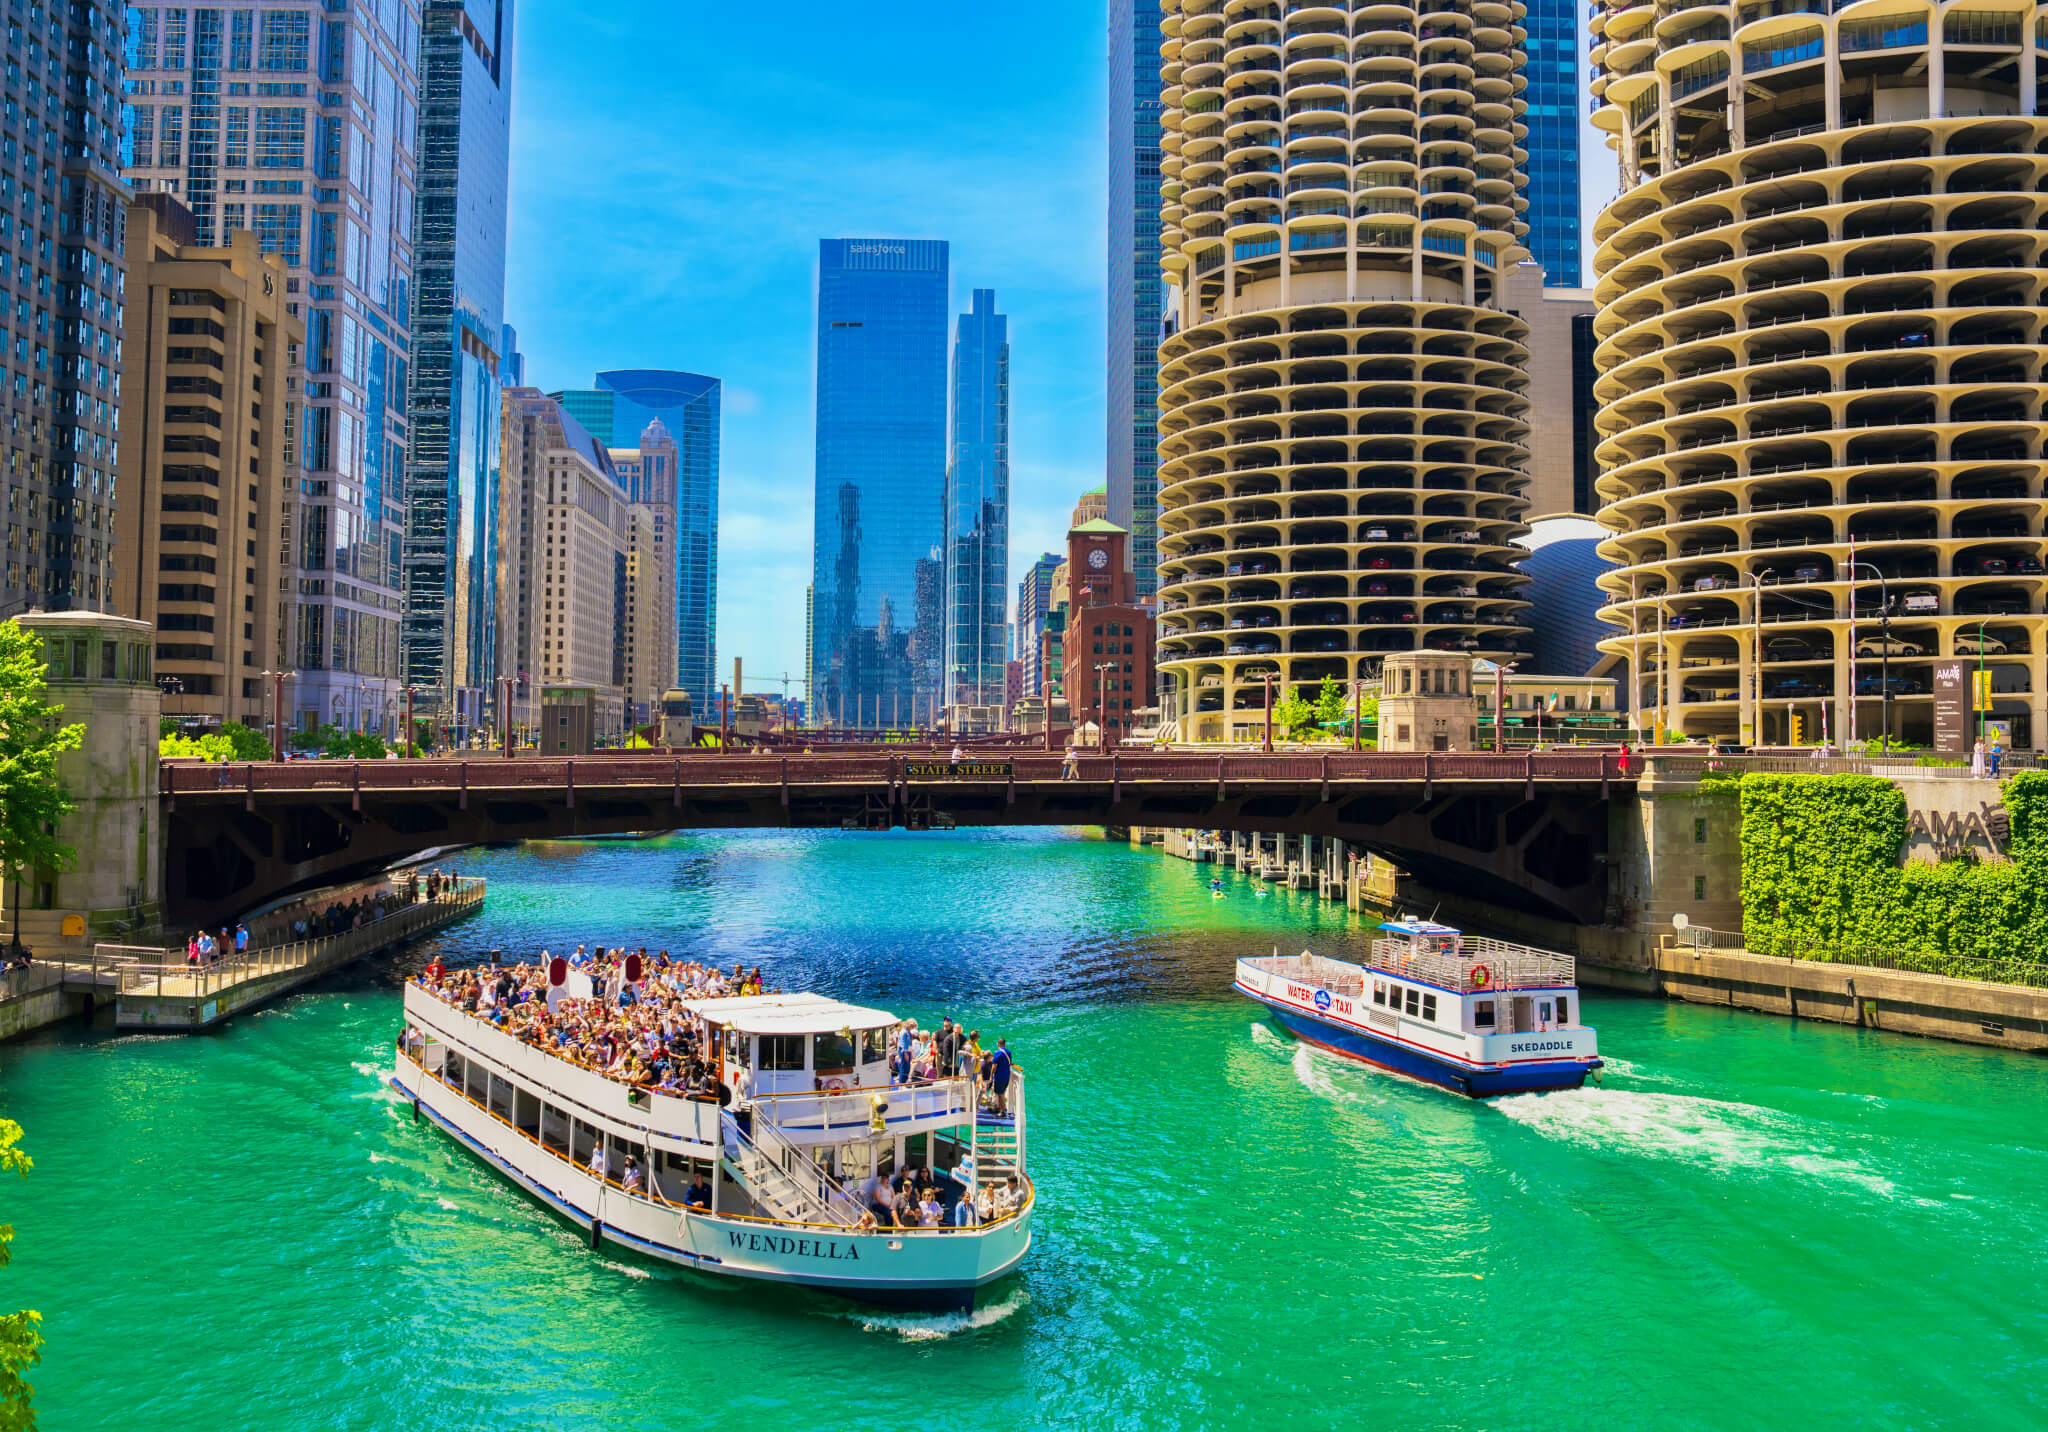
x=1526 y=831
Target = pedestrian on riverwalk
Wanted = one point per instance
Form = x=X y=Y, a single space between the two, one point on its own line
x=241 y=939
x=1070 y=769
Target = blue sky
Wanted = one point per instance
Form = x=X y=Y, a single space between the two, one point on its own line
x=675 y=162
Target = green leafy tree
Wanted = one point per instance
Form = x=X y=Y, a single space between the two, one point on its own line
x=210 y=747
x=1292 y=714
x=21 y=1338
x=31 y=740
x=1330 y=712
x=339 y=745
x=248 y=744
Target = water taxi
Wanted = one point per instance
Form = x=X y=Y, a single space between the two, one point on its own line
x=781 y=1164
x=1479 y=1016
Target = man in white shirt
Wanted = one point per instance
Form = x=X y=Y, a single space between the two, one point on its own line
x=599 y=1165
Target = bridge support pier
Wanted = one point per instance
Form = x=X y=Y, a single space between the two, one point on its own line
x=99 y=674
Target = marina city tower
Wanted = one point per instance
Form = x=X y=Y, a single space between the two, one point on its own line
x=1820 y=366
x=1342 y=400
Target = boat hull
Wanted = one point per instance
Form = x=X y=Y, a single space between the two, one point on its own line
x=1478 y=1083
x=897 y=1269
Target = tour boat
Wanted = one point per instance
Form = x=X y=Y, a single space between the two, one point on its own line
x=781 y=1162
x=1479 y=1016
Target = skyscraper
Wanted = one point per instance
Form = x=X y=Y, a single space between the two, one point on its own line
x=1034 y=600
x=60 y=326
x=1344 y=399
x=978 y=507
x=878 y=543
x=1134 y=282
x=617 y=411
x=1820 y=372
x=1553 y=144
x=449 y=632
x=294 y=119
x=201 y=553
x=648 y=473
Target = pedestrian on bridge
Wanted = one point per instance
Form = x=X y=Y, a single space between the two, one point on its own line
x=1070 y=769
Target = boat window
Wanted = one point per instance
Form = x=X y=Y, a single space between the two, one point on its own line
x=1564 y=1010
x=501 y=1097
x=1379 y=993
x=831 y=1051
x=1429 y=1008
x=526 y=1112
x=478 y=1086
x=1414 y=1001
x=452 y=1071
x=1482 y=1014
x=1543 y=1010
x=586 y=1141
x=782 y=1051
x=874 y=1046
x=554 y=1129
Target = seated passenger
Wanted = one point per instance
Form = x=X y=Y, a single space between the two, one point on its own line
x=698 y=1194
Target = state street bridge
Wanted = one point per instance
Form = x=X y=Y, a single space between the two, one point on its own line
x=1525 y=831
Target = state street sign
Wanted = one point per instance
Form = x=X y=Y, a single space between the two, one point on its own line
x=958 y=770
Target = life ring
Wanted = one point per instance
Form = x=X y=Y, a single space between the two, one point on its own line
x=1481 y=976
x=835 y=1085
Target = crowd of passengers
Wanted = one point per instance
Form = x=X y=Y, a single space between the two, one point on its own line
x=639 y=1032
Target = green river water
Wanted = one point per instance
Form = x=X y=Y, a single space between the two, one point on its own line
x=1753 y=1223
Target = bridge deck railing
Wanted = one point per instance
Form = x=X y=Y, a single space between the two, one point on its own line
x=151 y=973
x=498 y=774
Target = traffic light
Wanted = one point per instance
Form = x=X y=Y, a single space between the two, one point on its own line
x=1798 y=737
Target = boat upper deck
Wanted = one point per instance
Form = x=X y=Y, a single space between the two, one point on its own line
x=1435 y=955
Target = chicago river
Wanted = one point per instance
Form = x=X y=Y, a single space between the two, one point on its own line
x=1751 y=1216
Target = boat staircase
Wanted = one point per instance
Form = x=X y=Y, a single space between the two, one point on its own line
x=999 y=1139
x=783 y=1181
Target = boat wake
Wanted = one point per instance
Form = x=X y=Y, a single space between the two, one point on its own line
x=1322 y=1074
x=930 y=1327
x=1728 y=1137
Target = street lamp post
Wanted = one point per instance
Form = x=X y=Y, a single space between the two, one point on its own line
x=1102 y=705
x=1884 y=596
x=1975 y=700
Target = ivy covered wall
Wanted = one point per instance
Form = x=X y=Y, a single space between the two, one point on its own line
x=1820 y=867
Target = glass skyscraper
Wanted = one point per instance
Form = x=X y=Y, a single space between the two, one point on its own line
x=1134 y=282
x=61 y=266
x=616 y=412
x=449 y=634
x=1553 y=118
x=978 y=507
x=878 y=540
x=296 y=119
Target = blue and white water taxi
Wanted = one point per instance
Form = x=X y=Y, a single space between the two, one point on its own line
x=1479 y=1016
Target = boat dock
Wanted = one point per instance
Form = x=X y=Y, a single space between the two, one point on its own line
x=154 y=990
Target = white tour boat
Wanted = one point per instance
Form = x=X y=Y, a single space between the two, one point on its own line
x=1479 y=1016
x=781 y=1162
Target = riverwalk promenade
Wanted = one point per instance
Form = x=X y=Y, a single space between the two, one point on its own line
x=151 y=989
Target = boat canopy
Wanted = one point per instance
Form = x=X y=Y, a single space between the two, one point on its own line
x=788 y=1014
x=1417 y=927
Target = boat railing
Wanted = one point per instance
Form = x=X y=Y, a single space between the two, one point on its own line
x=1337 y=976
x=827 y=1110
x=1481 y=964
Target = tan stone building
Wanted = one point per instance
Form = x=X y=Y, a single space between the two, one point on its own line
x=649 y=474
x=1561 y=405
x=564 y=530
x=209 y=478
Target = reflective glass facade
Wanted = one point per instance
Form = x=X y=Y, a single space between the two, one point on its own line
x=61 y=267
x=1553 y=118
x=1134 y=282
x=449 y=635
x=297 y=120
x=978 y=507
x=877 y=551
x=617 y=413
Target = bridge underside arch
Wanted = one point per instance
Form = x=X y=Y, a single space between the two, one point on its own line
x=1540 y=848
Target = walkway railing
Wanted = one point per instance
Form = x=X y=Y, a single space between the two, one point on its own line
x=677 y=772
x=1984 y=968
x=148 y=972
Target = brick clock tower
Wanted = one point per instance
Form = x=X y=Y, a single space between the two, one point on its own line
x=1105 y=627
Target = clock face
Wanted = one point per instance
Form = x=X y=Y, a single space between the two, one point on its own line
x=1098 y=559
